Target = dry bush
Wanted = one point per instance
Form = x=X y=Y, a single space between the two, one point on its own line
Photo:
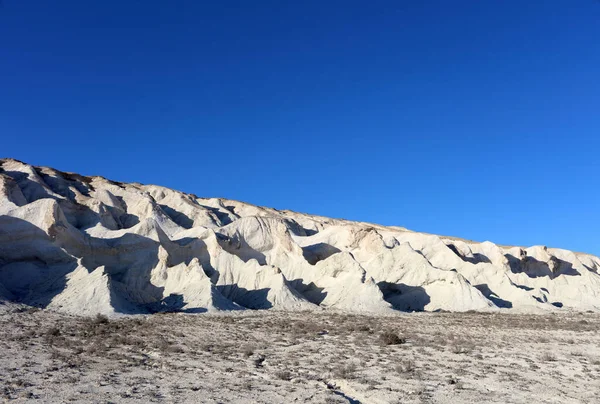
x=100 y=319
x=283 y=375
x=452 y=380
x=308 y=327
x=175 y=349
x=207 y=347
x=345 y=372
x=462 y=347
x=226 y=320
x=161 y=343
x=248 y=351
x=391 y=338
x=53 y=336
x=406 y=366
x=53 y=332
x=548 y=357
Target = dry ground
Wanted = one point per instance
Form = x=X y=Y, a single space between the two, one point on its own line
x=324 y=357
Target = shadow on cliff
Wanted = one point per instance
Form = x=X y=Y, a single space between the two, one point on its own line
x=309 y=291
x=174 y=303
x=475 y=259
x=404 y=297
x=179 y=218
x=78 y=215
x=491 y=296
x=32 y=268
x=221 y=216
x=250 y=299
x=534 y=268
x=318 y=252
x=237 y=246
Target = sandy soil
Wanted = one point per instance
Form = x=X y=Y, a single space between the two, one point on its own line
x=275 y=357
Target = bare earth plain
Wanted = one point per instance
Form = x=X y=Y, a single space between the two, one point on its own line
x=321 y=357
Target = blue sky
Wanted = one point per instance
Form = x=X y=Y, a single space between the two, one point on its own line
x=479 y=119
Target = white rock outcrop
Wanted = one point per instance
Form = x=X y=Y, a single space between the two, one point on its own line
x=87 y=245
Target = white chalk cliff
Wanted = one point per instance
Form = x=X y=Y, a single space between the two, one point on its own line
x=87 y=245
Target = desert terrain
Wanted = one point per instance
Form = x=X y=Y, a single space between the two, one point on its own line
x=320 y=357
x=114 y=292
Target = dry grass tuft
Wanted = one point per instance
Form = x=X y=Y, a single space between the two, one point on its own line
x=390 y=338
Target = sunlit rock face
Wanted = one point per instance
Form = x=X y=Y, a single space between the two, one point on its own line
x=87 y=245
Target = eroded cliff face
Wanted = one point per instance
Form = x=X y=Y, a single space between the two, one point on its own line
x=88 y=245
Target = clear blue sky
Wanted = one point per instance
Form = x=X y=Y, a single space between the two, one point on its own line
x=478 y=119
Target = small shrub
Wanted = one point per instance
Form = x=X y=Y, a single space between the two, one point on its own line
x=175 y=349
x=52 y=336
x=27 y=334
x=227 y=320
x=548 y=357
x=460 y=349
x=407 y=366
x=162 y=344
x=390 y=338
x=346 y=372
x=78 y=350
x=283 y=375
x=452 y=380
x=53 y=332
x=248 y=351
x=101 y=319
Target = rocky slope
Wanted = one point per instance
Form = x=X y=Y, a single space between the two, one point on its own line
x=87 y=245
